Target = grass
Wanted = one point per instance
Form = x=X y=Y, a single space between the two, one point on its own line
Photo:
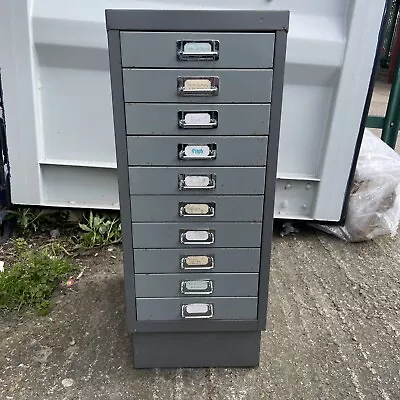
x=32 y=277
x=33 y=272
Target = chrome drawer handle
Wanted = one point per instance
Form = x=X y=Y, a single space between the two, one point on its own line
x=197 y=288
x=197 y=237
x=198 y=119
x=187 y=152
x=197 y=263
x=194 y=86
x=197 y=311
x=196 y=209
x=209 y=125
x=196 y=182
x=197 y=50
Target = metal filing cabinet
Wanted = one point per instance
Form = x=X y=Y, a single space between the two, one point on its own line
x=197 y=100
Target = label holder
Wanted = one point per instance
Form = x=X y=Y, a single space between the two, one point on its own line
x=197 y=152
x=198 y=119
x=197 y=50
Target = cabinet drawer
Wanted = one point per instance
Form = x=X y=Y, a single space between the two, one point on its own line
x=221 y=86
x=197 y=151
x=214 y=50
x=200 y=285
x=228 y=308
x=202 y=235
x=168 y=261
x=197 y=208
x=164 y=119
x=175 y=180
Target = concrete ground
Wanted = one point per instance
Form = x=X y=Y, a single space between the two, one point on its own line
x=380 y=100
x=334 y=327
x=333 y=333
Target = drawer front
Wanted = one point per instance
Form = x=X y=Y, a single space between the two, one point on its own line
x=197 y=151
x=178 y=50
x=164 y=119
x=161 y=86
x=175 y=180
x=169 y=261
x=228 y=308
x=200 y=285
x=202 y=235
x=197 y=208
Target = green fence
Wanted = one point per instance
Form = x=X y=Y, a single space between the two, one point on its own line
x=390 y=34
x=390 y=58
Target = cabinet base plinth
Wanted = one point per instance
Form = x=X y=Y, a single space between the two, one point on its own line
x=196 y=349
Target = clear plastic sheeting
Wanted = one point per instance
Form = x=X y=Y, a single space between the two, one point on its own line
x=374 y=208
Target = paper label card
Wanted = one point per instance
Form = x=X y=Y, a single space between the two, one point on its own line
x=197 y=285
x=194 y=151
x=197 y=236
x=197 y=181
x=197 y=118
x=197 y=260
x=197 y=47
x=197 y=84
x=197 y=309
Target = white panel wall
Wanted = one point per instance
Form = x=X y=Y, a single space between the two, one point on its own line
x=54 y=66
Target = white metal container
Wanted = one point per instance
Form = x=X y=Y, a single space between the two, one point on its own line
x=57 y=97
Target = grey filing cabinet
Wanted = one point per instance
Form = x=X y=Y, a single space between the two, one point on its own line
x=197 y=101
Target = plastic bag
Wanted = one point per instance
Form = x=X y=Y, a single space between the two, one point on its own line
x=374 y=207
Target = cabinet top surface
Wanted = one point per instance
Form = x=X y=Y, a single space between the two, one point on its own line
x=197 y=20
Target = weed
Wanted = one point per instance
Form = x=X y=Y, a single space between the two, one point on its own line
x=20 y=245
x=101 y=230
x=38 y=219
x=27 y=218
x=31 y=280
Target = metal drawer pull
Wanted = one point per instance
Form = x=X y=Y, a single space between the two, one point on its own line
x=197 y=263
x=197 y=151
x=198 y=119
x=203 y=86
x=196 y=182
x=199 y=50
x=197 y=237
x=196 y=209
x=195 y=288
x=197 y=311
